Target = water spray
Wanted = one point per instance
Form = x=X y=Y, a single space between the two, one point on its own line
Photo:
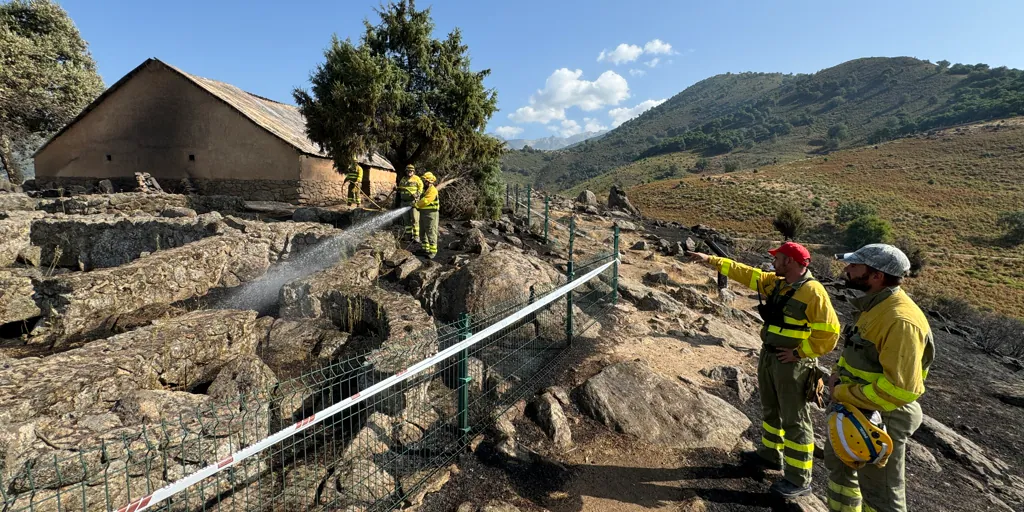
x=260 y=294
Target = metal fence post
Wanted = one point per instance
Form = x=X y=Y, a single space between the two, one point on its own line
x=516 y=210
x=529 y=189
x=464 y=379
x=570 y=274
x=508 y=188
x=615 y=266
x=547 y=205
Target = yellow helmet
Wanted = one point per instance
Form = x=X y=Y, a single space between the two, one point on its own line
x=429 y=177
x=410 y=167
x=857 y=440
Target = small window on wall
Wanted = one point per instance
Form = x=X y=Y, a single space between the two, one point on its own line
x=191 y=158
x=108 y=158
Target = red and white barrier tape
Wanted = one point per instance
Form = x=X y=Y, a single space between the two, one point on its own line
x=180 y=485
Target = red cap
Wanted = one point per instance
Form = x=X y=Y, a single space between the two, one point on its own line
x=795 y=251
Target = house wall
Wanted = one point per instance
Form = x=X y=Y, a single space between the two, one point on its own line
x=152 y=123
x=321 y=182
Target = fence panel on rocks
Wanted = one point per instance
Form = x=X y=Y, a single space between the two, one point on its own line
x=249 y=443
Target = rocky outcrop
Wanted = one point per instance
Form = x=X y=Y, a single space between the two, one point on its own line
x=178 y=212
x=18 y=202
x=587 y=198
x=15 y=236
x=135 y=202
x=181 y=353
x=617 y=200
x=16 y=303
x=735 y=378
x=632 y=398
x=995 y=473
x=648 y=299
x=293 y=347
x=547 y=412
x=1010 y=393
x=499 y=276
x=75 y=304
x=286 y=239
x=106 y=241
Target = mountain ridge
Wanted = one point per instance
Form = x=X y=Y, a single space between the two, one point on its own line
x=763 y=118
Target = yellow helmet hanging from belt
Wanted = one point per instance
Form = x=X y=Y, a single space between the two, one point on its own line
x=856 y=440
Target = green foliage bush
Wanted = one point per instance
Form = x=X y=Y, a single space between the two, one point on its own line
x=867 y=229
x=847 y=212
x=491 y=191
x=789 y=221
x=918 y=259
x=1013 y=223
x=839 y=132
x=702 y=164
x=731 y=166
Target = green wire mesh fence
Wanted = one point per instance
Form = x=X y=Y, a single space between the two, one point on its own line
x=374 y=456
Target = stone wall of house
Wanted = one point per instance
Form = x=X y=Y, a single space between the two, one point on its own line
x=312 y=192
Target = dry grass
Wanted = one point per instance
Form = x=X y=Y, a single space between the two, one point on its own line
x=943 y=191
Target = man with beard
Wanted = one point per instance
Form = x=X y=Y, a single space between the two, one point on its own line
x=799 y=325
x=882 y=368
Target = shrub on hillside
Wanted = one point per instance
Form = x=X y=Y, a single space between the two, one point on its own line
x=824 y=268
x=999 y=334
x=731 y=166
x=702 y=164
x=868 y=229
x=839 y=132
x=1013 y=223
x=789 y=221
x=846 y=212
x=917 y=257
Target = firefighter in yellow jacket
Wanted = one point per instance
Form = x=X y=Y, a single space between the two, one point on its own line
x=354 y=178
x=799 y=325
x=410 y=188
x=429 y=207
x=883 y=366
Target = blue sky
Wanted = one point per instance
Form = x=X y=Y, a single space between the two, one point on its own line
x=544 y=55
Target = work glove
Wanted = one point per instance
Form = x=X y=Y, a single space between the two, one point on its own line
x=815 y=388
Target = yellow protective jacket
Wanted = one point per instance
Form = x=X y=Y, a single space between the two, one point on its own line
x=887 y=354
x=410 y=189
x=429 y=200
x=808 y=307
x=354 y=174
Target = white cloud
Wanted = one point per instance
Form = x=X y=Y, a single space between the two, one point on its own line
x=593 y=125
x=653 y=62
x=658 y=47
x=543 y=115
x=637 y=72
x=622 y=53
x=508 y=132
x=621 y=115
x=565 y=89
x=568 y=128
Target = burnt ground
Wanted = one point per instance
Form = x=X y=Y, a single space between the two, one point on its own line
x=611 y=471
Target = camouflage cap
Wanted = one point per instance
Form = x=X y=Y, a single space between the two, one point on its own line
x=882 y=257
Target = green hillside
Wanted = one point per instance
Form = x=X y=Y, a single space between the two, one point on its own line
x=761 y=118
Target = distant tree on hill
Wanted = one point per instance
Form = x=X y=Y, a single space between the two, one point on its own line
x=47 y=76
x=789 y=221
x=943 y=64
x=702 y=164
x=403 y=93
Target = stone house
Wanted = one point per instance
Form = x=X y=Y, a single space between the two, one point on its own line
x=173 y=125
